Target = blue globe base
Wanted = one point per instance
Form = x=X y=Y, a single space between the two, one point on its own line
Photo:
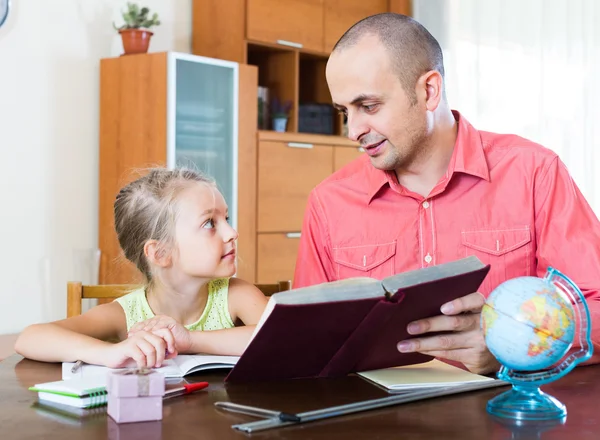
x=526 y=403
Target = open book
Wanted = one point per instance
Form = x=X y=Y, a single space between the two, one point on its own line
x=332 y=329
x=429 y=375
x=180 y=366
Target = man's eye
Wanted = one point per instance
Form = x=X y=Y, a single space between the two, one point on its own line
x=370 y=107
x=209 y=224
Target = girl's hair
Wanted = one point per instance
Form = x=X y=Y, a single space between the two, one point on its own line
x=145 y=209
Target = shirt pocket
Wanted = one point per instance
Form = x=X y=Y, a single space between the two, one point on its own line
x=508 y=252
x=375 y=261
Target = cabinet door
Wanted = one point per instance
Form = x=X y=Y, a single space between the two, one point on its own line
x=287 y=172
x=296 y=23
x=203 y=121
x=342 y=156
x=340 y=15
x=277 y=255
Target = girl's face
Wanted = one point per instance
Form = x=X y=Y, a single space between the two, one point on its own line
x=204 y=239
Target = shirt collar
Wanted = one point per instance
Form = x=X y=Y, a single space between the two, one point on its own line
x=468 y=157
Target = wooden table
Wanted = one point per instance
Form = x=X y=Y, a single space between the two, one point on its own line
x=460 y=416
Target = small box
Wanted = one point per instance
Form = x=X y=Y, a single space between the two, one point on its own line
x=135 y=395
x=315 y=118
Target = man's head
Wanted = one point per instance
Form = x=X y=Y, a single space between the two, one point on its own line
x=386 y=74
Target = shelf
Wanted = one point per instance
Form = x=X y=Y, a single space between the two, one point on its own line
x=323 y=139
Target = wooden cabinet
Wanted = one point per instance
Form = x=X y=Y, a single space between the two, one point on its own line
x=339 y=15
x=293 y=23
x=288 y=40
x=290 y=165
x=172 y=109
x=342 y=156
x=287 y=172
x=276 y=256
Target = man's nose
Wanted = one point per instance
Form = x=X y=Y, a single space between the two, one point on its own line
x=356 y=127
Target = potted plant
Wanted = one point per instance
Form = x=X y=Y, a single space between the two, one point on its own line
x=280 y=112
x=135 y=32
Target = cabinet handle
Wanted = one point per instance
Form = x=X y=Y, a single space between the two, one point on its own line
x=293 y=235
x=361 y=149
x=299 y=145
x=289 y=43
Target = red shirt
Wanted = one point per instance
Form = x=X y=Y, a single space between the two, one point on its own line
x=505 y=199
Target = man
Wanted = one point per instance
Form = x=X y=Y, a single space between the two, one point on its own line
x=431 y=189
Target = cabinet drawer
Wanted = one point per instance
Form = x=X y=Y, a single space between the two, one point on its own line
x=342 y=156
x=276 y=257
x=289 y=22
x=340 y=15
x=287 y=172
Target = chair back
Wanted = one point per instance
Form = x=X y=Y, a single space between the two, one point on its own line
x=76 y=292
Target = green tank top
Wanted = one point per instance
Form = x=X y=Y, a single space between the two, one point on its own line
x=214 y=317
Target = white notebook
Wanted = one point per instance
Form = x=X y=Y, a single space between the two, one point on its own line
x=180 y=366
x=80 y=393
x=432 y=374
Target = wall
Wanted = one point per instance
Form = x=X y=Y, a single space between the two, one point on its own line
x=49 y=53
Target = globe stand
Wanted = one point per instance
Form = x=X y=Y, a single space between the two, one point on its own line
x=524 y=402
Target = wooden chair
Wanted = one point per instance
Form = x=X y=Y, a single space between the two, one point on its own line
x=77 y=291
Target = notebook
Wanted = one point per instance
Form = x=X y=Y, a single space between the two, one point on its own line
x=424 y=376
x=80 y=393
x=177 y=367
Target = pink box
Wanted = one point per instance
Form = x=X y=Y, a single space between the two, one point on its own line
x=135 y=395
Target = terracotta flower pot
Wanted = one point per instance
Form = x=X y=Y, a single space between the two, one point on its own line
x=135 y=40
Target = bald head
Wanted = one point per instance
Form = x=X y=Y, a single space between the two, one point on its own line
x=412 y=49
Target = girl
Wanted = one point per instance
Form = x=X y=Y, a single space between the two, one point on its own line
x=173 y=225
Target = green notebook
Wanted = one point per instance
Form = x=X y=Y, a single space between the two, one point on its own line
x=81 y=393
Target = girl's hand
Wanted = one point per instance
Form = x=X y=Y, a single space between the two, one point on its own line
x=183 y=339
x=143 y=349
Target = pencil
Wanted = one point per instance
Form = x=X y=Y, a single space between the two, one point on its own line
x=76 y=366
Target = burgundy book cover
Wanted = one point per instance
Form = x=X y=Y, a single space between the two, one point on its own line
x=336 y=338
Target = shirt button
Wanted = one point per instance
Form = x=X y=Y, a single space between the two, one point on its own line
x=425 y=204
x=428 y=258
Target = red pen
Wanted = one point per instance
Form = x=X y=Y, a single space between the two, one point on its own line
x=186 y=389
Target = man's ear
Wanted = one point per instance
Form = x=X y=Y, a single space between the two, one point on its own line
x=432 y=84
x=157 y=254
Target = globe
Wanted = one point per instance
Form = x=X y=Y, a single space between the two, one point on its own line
x=528 y=324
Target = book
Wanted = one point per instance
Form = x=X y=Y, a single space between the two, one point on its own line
x=429 y=375
x=80 y=393
x=341 y=327
x=178 y=367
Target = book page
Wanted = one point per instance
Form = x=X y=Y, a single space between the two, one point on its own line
x=351 y=288
x=418 y=276
x=430 y=374
x=187 y=364
x=178 y=367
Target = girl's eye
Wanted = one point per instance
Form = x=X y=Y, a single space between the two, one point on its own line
x=209 y=224
x=227 y=219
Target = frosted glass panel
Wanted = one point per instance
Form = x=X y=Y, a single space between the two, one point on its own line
x=204 y=122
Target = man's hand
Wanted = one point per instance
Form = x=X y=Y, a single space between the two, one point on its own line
x=462 y=339
x=183 y=340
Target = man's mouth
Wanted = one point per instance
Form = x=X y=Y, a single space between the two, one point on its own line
x=373 y=149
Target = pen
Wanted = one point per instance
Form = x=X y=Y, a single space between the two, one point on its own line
x=76 y=366
x=186 y=389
